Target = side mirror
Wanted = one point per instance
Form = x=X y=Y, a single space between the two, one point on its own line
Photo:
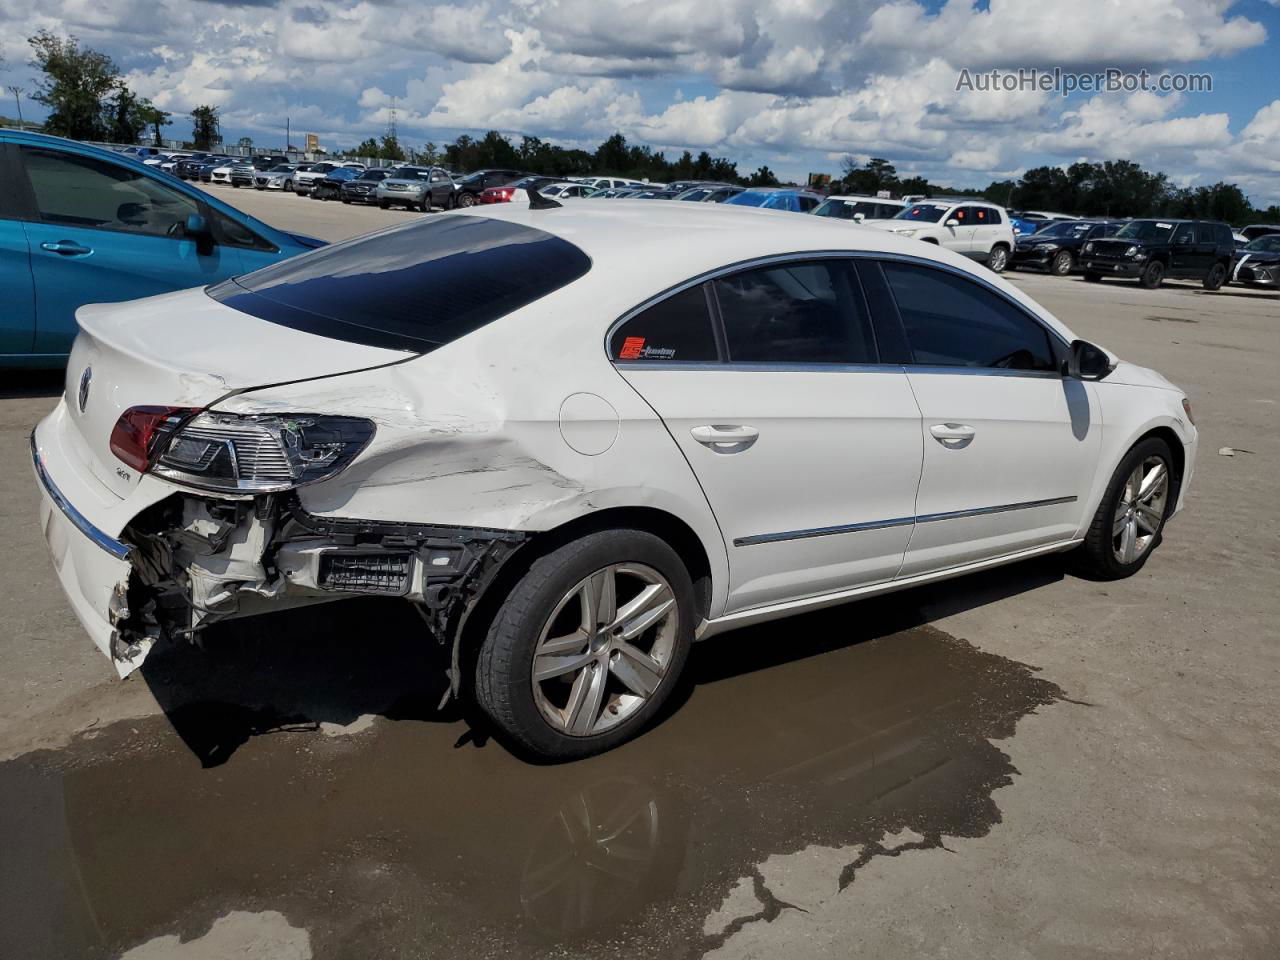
x=197 y=228
x=1087 y=362
x=952 y=223
x=859 y=217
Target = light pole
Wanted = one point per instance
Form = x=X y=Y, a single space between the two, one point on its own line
x=17 y=92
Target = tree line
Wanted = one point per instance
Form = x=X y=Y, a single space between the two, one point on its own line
x=1112 y=188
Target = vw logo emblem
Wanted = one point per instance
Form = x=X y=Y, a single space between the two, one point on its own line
x=86 y=378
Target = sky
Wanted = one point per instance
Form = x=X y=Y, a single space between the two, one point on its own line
x=794 y=84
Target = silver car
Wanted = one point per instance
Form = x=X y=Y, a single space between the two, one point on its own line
x=279 y=177
x=416 y=188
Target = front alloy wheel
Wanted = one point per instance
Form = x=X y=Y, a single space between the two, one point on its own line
x=1129 y=521
x=587 y=645
x=1061 y=265
x=999 y=258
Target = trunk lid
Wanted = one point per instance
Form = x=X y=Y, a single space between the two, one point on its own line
x=183 y=349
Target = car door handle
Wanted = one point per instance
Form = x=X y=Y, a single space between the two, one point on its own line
x=953 y=435
x=723 y=438
x=68 y=248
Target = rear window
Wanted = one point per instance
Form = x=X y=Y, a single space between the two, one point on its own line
x=411 y=288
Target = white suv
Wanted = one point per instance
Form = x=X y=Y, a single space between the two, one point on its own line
x=980 y=231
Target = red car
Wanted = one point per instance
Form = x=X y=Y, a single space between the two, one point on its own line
x=504 y=193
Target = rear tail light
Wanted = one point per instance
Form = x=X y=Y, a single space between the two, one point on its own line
x=259 y=454
x=140 y=430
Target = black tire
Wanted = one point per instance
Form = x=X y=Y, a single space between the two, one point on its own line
x=1061 y=264
x=465 y=200
x=345 y=200
x=452 y=202
x=1091 y=277
x=1153 y=275
x=1216 y=277
x=1098 y=558
x=998 y=258
x=288 y=186
x=383 y=205
x=504 y=664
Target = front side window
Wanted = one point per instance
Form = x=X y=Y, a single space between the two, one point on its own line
x=809 y=312
x=79 y=191
x=1184 y=234
x=955 y=322
x=413 y=288
x=676 y=330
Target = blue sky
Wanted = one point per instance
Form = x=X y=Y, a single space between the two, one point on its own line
x=795 y=84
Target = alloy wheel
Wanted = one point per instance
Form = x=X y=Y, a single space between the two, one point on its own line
x=605 y=649
x=1140 y=510
x=999 y=257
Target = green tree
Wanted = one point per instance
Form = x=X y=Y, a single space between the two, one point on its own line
x=763 y=177
x=155 y=118
x=390 y=149
x=128 y=116
x=205 y=131
x=78 y=85
x=875 y=175
x=368 y=147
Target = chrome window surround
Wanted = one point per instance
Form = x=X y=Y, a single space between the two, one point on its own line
x=896 y=522
x=1055 y=337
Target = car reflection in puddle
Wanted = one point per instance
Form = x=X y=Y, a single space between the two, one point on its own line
x=407 y=839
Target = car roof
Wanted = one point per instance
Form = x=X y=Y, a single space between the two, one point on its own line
x=678 y=241
x=861 y=196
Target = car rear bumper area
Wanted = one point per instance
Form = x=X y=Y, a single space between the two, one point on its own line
x=93 y=567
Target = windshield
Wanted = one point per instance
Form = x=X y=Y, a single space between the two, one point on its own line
x=1254 y=232
x=1265 y=244
x=750 y=198
x=1149 y=230
x=845 y=209
x=281 y=168
x=929 y=212
x=412 y=288
x=1064 y=228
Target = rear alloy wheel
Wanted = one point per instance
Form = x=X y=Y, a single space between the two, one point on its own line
x=1216 y=277
x=1061 y=265
x=999 y=258
x=466 y=200
x=1153 y=275
x=1130 y=520
x=588 y=645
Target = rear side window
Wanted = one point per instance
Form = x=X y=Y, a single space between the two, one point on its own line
x=954 y=322
x=676 y=330
x=809 y=312
x=411 y=288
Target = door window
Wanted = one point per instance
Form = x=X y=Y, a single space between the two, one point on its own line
x=810 y=312
x=954 y=322
x=1184 y=234
x=676 y=330
x=79 y=191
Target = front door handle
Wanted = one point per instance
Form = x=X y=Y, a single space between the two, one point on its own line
x=954 y=436
x=68 y=248
x=723 y=438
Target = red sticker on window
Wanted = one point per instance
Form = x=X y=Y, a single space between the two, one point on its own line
x=631 y=348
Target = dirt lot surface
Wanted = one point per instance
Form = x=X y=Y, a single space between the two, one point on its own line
x=1017 y=764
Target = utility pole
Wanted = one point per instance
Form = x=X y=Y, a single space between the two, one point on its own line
x=391 y=124
x=286 y=136
x=17 y=92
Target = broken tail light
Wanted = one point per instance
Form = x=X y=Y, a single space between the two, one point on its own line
x=141 y=429
x=259 y=454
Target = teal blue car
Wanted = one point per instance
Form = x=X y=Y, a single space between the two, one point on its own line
x=79 y=225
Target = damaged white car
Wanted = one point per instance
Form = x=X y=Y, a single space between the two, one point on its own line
x=577 y=437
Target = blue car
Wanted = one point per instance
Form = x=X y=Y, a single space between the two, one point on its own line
x=777 y=198
x=82 y=225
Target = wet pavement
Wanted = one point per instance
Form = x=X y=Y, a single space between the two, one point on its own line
x=267 y=804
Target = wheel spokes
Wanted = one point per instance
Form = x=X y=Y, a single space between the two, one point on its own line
x=638 y=671
x=600 y=599
x=585 y=700
x=1153 y=483
x=1148 y=517
x=1129 y=541
x=648 y=607
x=548 y=666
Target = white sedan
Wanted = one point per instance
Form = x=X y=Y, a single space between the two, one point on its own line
x=579 y=437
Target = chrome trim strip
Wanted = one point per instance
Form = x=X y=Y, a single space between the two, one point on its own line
x=113 y=546
x=896 y=522
x=822 y=531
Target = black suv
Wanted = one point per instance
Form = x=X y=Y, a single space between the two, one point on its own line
x=1055 y=247
x=469 y=187
x=1155 y=250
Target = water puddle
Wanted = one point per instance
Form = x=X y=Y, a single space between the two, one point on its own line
x=266 y=792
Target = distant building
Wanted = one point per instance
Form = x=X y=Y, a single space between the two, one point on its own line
x=313 y=143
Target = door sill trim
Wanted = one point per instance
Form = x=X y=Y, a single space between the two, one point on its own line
x=773 y=611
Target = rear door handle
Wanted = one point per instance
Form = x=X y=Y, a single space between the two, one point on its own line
x=723 y=438
x=68 y=248
x=953 y=435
